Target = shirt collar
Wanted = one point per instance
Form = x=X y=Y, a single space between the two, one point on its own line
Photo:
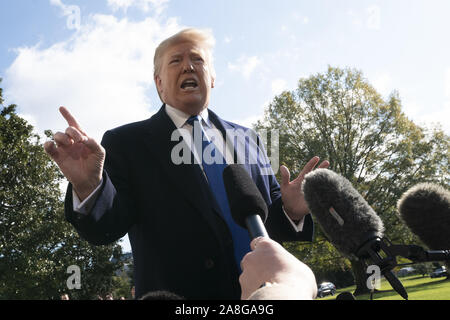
x=179 y=117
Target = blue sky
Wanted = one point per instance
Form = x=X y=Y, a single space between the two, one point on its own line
x=100 y=66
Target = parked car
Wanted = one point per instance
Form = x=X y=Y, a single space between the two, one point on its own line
x=325 y=289
x=439 y=272
x=405 y=271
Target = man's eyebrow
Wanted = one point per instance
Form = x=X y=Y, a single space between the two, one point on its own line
x=175 y=55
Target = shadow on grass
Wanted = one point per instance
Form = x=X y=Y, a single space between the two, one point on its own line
x=380 y=294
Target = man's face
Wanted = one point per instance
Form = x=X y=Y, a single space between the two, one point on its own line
x=185 y=80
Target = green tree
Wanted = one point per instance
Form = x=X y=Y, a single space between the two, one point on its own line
x=339 y=116
x=37 y=245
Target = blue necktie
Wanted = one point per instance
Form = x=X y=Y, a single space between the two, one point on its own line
x=213 y=171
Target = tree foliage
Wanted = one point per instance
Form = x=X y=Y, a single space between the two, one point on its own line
x=339 y=116
x=37 y=245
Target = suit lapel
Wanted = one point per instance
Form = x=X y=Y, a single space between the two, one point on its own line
x=187 y=178
x=235 y=139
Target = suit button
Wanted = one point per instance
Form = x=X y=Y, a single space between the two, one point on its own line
x=209 y=264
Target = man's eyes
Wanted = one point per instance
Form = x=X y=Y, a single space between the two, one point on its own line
x=195 y=59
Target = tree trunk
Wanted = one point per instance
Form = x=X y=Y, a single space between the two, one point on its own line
x=359 y=272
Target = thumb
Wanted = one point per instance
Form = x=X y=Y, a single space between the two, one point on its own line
x=285 y=175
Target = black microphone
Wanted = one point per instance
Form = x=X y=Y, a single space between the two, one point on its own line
x=248 y=208
x=345 y=296
x=348 y=220
x=425 y=209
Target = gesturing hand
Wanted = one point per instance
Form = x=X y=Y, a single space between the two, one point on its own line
x=79 y=157
x=291 y=191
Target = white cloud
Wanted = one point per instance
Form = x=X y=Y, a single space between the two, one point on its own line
x=424 y=114
x=383 y=83
x=373 y=21
x=447 y=84
x=300 y=18
x=445 y=115
x=144 y=5
x=249 y=121
x=413 y=106
x=278 y=86
x=370 y=18
x=227 y=39
x=355 y=18
x=103 y=74
x=245 y=65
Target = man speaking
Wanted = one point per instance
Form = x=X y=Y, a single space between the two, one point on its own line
x=176 y=214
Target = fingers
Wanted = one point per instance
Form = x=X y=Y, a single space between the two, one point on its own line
x=285 y=176
x=254 y=242
x=310 y=165
x=71 y=136
x=325 y=164
x=70 y=119
x=76 y=135
x=62 y=139
x=50 y=149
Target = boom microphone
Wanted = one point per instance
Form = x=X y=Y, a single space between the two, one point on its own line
x=425 y=209
x=348 y=220
x=247 y=206
x=345 y=217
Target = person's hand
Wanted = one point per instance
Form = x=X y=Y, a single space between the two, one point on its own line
x=79 y=157
x=291 y=191
x=269 y=262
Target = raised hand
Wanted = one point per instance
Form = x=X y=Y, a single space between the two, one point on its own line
x=79 y=157
x=291 y=191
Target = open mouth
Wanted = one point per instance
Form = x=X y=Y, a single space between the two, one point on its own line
x=189 y=84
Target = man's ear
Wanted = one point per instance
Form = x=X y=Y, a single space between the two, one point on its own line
x=158 y=83
x=212 y=82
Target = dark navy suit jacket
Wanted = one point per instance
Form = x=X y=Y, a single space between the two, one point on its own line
x=179 y=240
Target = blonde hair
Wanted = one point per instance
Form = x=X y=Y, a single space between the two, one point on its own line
x=199 y=36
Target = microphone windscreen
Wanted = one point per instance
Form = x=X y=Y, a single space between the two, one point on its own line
x=243 y=195
x=345 y=296
x=344 y=215
x=425 y=209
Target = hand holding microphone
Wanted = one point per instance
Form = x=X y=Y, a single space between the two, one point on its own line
x=268 y=262
x=284 y=277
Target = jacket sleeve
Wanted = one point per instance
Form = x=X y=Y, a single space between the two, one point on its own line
x=113 y=213
x=278 y=226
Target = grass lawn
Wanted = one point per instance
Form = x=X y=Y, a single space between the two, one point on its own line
x=418 y=288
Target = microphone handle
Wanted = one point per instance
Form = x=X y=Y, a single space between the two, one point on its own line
x=438 y=255
x=255 y=226
x=396 y=284
x=418 y=254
